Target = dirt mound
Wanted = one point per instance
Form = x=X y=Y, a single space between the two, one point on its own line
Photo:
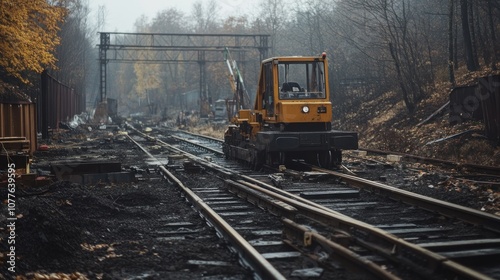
x=384 y=123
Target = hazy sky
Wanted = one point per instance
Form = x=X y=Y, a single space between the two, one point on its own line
x=122 y=14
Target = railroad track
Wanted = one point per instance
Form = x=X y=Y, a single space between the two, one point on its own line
x=403 y=174
x=495 y=170
x=387 y=239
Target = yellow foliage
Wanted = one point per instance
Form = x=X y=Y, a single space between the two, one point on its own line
x=148 y=78
x=28 y=35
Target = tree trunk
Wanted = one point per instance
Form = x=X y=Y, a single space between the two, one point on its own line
x=408 y=102
x=493 y=35
x=451 y=71
x=481 y=37
x=469 y=53
x=472 y=28
x=455 y=48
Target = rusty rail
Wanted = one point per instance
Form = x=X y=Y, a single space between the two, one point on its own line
x=484 y=168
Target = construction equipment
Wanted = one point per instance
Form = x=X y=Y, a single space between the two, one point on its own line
x=240 y=94
x=291 y=117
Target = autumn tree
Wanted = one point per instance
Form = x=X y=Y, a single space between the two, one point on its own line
x=147 y=76
x=28 y=36
x=147 y=80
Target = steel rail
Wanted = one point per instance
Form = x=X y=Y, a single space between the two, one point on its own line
x=198 y=145
x=204 y=136
x=280 y=208
x=248 y=254
x=466 y=214
x=488 y=168
x=310 y=238
x=274 y=206
x=423 y=261
x=448 y=209
x=300 y=234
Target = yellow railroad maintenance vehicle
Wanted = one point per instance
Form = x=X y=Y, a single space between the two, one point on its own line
x=291 y=117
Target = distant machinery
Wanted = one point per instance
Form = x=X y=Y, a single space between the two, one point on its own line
x=240 y=94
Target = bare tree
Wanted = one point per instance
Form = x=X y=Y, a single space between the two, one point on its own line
x=466 y=31
x=205 y=17
x=451 y=71
x=308 y=24
x=169 y=21
x=272 y=20
x=491 y=26
x=395 y=25
x=75 y=52
x=102 y=15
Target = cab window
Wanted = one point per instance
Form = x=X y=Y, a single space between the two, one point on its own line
x=268 y=97
x=301 y=80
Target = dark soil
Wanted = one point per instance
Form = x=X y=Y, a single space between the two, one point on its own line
x=110 y=231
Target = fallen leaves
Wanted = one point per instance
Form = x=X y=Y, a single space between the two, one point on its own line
x=92 y=248
x=110 y=250
x=110 y=255
x=64 y=202
x=53 y=276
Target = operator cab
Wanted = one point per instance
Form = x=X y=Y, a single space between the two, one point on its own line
x=302 y=80
x=294 y=90
x=293 y=79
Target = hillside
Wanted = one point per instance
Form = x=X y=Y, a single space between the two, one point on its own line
x=391 y=127
x=385 y=124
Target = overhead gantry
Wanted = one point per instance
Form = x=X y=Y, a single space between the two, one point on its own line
x=160 y=48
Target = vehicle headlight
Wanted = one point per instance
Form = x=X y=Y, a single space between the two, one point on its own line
x=305 y=109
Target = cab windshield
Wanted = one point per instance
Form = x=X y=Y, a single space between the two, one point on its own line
x=301 y=80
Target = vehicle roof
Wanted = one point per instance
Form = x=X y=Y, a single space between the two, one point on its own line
x=294 y=58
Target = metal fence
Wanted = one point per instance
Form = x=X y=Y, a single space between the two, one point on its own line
x=18 y=119
x=488 y=92
x=57 y=103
